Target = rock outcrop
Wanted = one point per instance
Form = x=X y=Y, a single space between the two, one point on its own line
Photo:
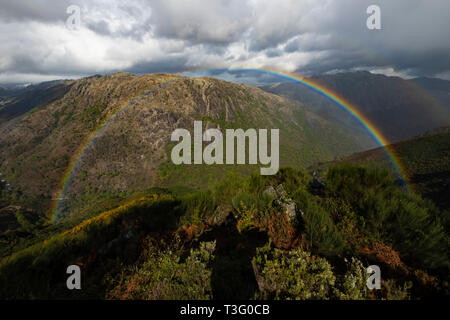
x=285 y=204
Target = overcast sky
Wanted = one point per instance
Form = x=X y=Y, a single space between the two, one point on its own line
x=142 y=36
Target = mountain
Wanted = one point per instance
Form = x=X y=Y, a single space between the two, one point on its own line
x=3 y=93
x=18 y=101
x=438 y=88
x=400 y=109
x=137 y=116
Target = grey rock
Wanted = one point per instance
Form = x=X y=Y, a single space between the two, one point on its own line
x=285 y=204
x=271 y=192
x=281 y=192
x=220 y=214
x=290 y=209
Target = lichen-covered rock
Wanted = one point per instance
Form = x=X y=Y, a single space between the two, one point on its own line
x=285 y=204
x=290 y=209
x=271 y=192
x=281 y=192
x=220 y=215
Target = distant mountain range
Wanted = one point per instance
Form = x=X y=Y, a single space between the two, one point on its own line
x=399 y=108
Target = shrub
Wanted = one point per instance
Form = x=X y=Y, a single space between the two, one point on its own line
x=292 y=274
x=247 y=218
x=255 y=183
x=251 y=209
x=228 y=188
x=281 y=231
x=412 y=232
x=196 y=207
x=393 y=291
x=163 y=276
x=389 y=215
x=24 y=273
x=352 y=182
x=291 y=178
x=319 y=227
x=259 y=201
x=348 y=223
x=352 y=286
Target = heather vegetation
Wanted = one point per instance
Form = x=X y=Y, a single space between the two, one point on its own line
x=288 y=236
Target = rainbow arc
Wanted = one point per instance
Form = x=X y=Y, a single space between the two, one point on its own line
x=374 y=132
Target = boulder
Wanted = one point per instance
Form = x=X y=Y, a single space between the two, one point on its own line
x=221 y=214
x=285 y=204
x=271 y=192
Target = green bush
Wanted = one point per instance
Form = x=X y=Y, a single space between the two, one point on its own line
x=414 y=233
x=228 y=188
x=292 y=274
x=394 y=291
x=352 y=286
x=354 y=182
x=39 y=270
x=197 y=206
x=291 y=178
x=388 y=214
x=164 y=276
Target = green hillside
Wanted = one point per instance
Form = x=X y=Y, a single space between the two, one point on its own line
x=426 y=160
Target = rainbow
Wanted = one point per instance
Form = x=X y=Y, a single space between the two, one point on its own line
x=84 y=148
x=73 y=165
x=375 y=133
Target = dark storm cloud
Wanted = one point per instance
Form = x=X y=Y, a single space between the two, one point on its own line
x=302 y=36
x=169 y=65
x=216 y=22
x=273 y=53
x=40 y=10
x=413 y=36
